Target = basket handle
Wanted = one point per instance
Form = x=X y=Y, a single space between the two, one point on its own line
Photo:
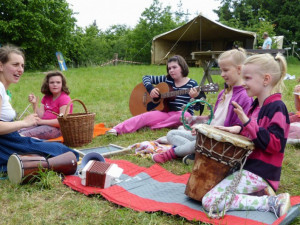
x=68 y=106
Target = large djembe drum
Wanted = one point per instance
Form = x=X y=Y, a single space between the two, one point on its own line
x=217 y=152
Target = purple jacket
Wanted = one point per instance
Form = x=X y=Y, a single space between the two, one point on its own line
x=240 y=96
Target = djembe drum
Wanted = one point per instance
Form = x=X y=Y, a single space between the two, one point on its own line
x=22 y=169
x=217 y=152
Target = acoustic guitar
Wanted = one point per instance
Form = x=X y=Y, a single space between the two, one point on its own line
x=141 y=102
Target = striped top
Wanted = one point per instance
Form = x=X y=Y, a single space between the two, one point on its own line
x=269 y=134
x=180 y=101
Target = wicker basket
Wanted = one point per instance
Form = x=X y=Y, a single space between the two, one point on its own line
x=77 y=128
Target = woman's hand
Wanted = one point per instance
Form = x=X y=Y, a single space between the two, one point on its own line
x=31 y=120
x=233 y=129
x=240 y=112
x=154 y=93
x=193 y=92
x=40 y=121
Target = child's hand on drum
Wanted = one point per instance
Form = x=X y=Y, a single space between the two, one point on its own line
x=240 y=112
x=233 y=129
x=193 y=131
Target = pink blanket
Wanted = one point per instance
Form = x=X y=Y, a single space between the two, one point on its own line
x=294 y=134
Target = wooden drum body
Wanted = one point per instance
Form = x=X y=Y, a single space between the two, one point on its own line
x=216 y=153
x=21 y=169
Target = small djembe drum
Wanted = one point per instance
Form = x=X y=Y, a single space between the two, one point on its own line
x=217 y=152
x=22 y=169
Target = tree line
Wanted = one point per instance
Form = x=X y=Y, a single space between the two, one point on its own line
x=43 y=27
x=277 y=17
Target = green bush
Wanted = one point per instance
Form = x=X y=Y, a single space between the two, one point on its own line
x=293 y=60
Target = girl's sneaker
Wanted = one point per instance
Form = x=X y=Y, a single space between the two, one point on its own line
x=112 y=132
x=189 y=159
x=279 y=204
x=164 y=156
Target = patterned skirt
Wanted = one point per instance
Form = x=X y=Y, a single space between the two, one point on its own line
x=14 y=143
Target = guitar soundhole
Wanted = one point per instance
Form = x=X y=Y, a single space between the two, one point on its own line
x=156 y=100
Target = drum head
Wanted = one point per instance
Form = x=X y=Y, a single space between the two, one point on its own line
x=224 y=136
x=14 y=169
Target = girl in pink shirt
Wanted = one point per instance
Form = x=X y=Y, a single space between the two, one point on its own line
x=53 y=103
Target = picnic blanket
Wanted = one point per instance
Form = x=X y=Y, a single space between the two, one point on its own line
x=294 y=133
x=156 y=189
x=99 y=129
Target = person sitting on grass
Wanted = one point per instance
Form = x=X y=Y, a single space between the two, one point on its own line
x=184 y=141
x=267 y=125
x=54 y=103
x=11 y=69
x=177 y=78
x=295 y=117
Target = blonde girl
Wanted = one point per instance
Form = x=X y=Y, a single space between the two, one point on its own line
x=183 y=141
x=267 y=125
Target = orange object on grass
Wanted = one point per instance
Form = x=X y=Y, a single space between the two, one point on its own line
x=99 y=129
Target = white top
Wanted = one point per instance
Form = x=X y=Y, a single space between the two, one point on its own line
x=267 y=42
x=7 y=112
x=222 y=110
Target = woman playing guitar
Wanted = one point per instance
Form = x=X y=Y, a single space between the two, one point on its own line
x=177 y=79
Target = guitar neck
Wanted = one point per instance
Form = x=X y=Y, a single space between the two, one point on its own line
x=179 y=92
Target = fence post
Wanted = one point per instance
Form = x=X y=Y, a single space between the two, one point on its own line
x=115 y=59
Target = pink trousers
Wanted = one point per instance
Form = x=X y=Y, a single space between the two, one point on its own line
x=152 y=119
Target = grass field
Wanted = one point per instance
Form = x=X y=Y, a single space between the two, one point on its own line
x=106 y=91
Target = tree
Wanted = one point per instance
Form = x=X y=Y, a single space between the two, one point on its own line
x=153 y=21
x=40 y=27
x=181 y=17
x=117 y=38
x=275 y=16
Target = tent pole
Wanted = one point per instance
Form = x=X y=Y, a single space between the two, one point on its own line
x=200 y=33
x=178 y=40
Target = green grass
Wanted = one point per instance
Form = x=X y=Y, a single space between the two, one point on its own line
x=106 y=91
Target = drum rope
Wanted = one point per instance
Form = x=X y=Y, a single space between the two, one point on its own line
x=231 y=189
x=222 y=158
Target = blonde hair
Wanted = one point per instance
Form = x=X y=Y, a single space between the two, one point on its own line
x=238 y=57
x=275 y=66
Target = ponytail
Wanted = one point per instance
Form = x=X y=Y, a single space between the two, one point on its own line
x=279 y=86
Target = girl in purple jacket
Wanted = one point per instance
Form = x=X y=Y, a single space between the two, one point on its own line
x=267 y=125
x=184 y=141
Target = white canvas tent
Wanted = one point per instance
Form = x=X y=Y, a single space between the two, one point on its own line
x=279 y=41
x=199 y=34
